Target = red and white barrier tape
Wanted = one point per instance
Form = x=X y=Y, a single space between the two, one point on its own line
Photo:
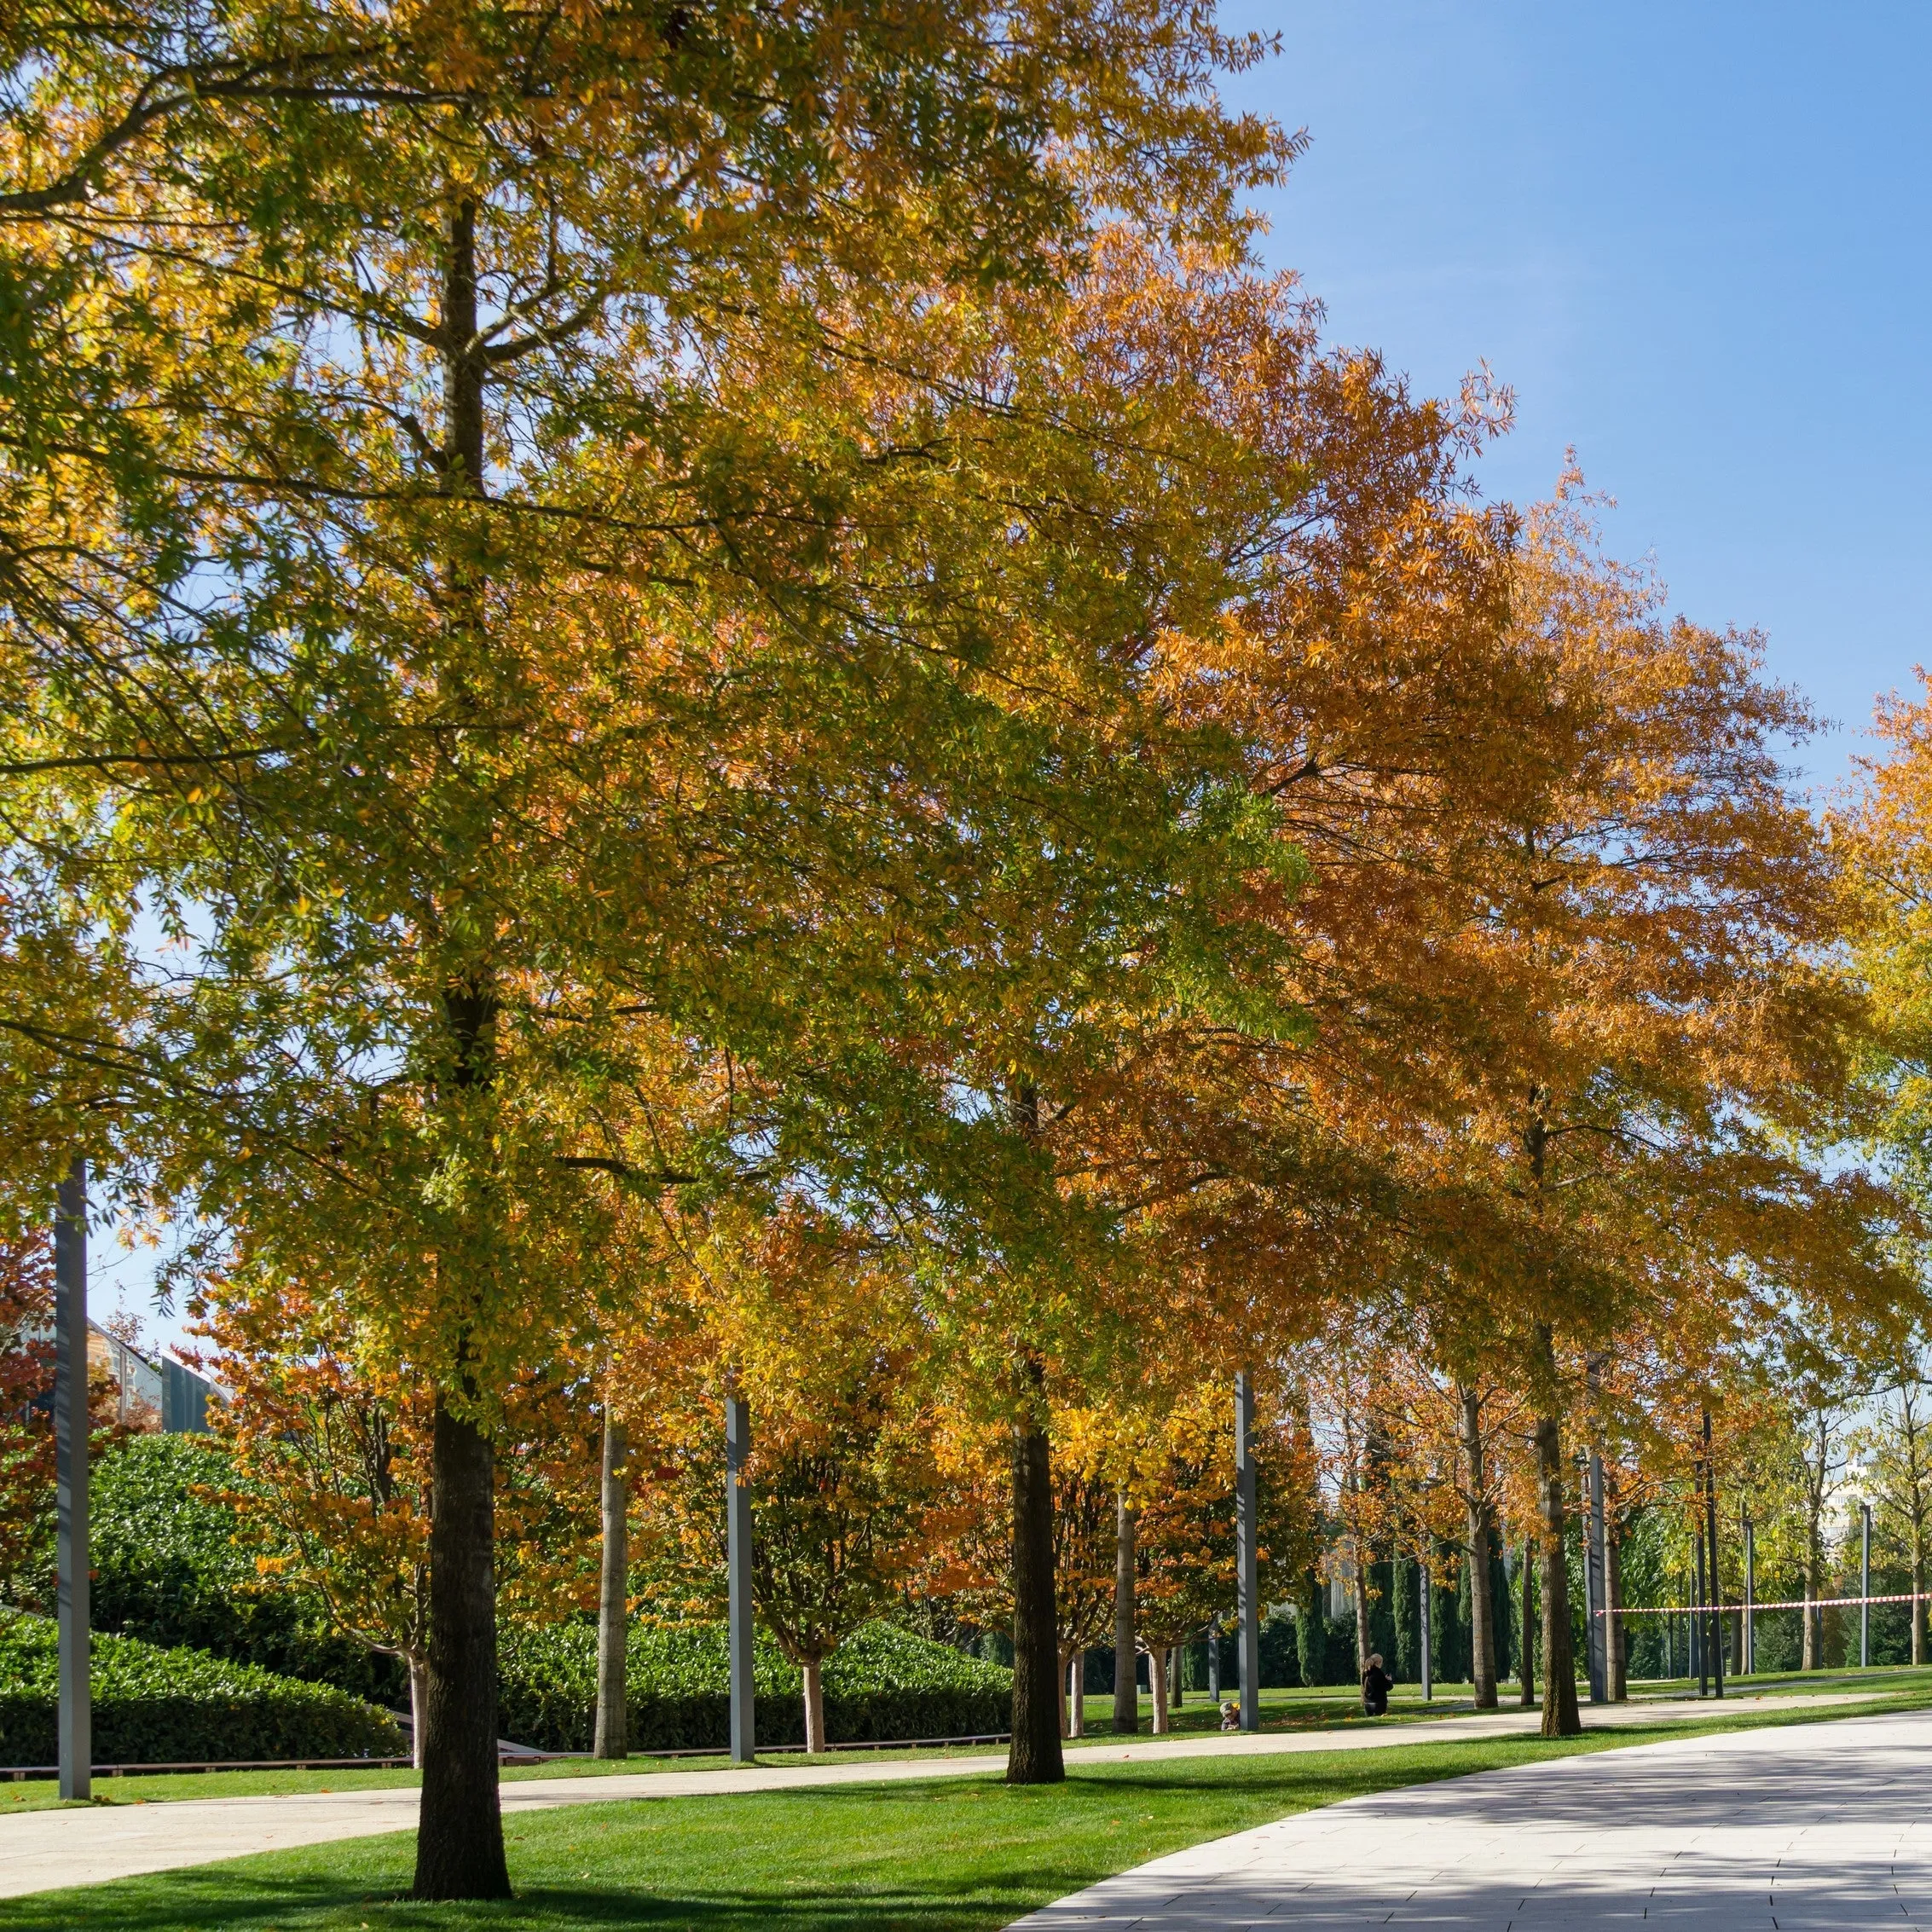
x=1724 y=1609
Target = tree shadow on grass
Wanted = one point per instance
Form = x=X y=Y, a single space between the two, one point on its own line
x=207 y=1897
x=202 y=1902
x=804 y=1908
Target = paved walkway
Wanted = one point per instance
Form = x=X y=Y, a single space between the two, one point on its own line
x=1824 y=1827
x=43 y=1850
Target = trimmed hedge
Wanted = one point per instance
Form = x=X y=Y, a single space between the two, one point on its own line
x=154 y=1706
x=175 y=1568
x=882 y=1683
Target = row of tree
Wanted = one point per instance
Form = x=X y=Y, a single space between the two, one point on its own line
x=717 y=699
x=872 y=1495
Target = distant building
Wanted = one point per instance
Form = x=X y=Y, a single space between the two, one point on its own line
x=156 y=1393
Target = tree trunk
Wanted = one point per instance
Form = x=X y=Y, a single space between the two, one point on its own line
x=1127 y=1696
x=419 y=1704
x=1526 y=1664
x=813 y=1670
x=460 y=1829
x=1157 y=1687
x=1561 y=1718
x=1807 y=1655
x=1482 y=1616
x=613 y=1604
x=1476 y=1527
x=1034 y=1756
x=1177 y=1670
x=460 y=1826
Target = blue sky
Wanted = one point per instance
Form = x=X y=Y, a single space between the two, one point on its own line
x=1693 y=238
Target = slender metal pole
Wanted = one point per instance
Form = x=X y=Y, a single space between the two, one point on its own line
x=1246 y=1526
x=1597 y=1590
x=1864 y=1587
x=1700 y=1632
x=1715 y=1612
x=1214 y=1661
x=70 y=1482
x=1126 y=1658
x=1428 y=1661
x=1751 y=1597
x=1589 y=1607
x=611 y=1735
x=738 y=1548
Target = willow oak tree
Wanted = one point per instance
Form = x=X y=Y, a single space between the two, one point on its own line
x=1886 y=835
x=842 y=1495
x=1243 y=1131
x=1183 y=1486
x=1159 y=1105
x=1477 y=1431
x=970 y=1562
x=1550 y=852
x=1113 y=1480
x=1104 y=905
x=1454 y=1430
x=1668 y=1058
x=1085 y=1529
x=431 y=558
x=1638 y=1403
x=801 y=1320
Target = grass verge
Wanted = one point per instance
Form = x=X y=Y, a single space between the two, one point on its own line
x=954 y=1855
x=1325 y=1709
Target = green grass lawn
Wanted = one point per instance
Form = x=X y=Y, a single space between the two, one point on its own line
x=1329 y=1708
x=1280 y=1711
x=953 y=1855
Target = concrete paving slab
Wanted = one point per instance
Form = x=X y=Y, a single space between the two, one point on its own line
x=43 y=1850
x=1821 y=1829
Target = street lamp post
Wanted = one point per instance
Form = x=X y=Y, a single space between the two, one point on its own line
x=1710 y=1534
x=1596 y=1579
x=1428 y=1682
x=76 y=1740
x=1749 y=1631
x=1699 y=1632
x=737 y=1561
x=1864 y=1587
x=1247 y=1529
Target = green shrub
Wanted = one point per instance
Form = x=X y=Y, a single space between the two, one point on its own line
x=882 y=1683
x=153 y=1706
x=178 y=1568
